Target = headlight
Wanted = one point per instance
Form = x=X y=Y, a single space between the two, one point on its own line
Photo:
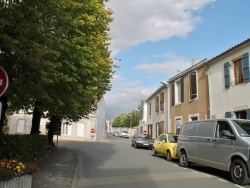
x=174 y=148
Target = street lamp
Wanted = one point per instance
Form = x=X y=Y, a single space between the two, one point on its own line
x=130 y=120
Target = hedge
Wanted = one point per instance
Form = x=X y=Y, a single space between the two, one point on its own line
x=24 y=148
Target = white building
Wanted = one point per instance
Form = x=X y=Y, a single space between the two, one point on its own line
x=21 y=124
x=229 y=83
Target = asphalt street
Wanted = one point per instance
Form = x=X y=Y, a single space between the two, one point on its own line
x=116 y=164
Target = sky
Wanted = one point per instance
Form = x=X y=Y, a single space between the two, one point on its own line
x=153 y=40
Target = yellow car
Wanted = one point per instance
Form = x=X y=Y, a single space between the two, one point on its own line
x=166 y=144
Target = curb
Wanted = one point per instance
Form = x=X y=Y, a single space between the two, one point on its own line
x=73 y=185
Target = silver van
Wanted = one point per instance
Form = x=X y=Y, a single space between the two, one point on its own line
x=219 y=143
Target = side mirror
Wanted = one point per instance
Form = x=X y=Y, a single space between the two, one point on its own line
x=227 y=133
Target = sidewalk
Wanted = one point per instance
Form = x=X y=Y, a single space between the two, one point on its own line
x=57 y=169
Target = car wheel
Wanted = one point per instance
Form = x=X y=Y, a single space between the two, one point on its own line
x=238 y=172
x=183 y=159
x=154 y=153
x=168 y=156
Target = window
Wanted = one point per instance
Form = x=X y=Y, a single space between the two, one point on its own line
x=205 y=129
x=241 y=71
x=193 y=85
x=162 y=100
x=178 y=92
x=238 y=74
x=178 y=124
x=157 y=103
x=222 y=125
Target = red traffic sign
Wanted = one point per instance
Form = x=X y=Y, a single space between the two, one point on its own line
x=92 y=130
x=144 y=131
x=4 y=81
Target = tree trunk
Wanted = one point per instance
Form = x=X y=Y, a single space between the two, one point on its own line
x=3 y=100
x=35 y=121
x=53 y=126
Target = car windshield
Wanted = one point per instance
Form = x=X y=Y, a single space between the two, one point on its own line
x=126 y=132
x=243 y=127
x=142 y=136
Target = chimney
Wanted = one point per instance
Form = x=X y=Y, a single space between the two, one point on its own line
x=195 y=61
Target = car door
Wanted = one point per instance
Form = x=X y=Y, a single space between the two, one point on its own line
x=160 y=144
x=221 y=147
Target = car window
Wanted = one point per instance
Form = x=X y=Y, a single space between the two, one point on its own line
x=172 y=138
x=222 y=125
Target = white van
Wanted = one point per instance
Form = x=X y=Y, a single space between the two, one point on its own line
x=219 y=143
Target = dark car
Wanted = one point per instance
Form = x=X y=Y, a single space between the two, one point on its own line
x=140 y=140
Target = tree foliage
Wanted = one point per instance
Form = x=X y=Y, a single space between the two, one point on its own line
x=124 y=120
x=56 y=55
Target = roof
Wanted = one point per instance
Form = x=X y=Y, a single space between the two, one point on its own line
x=229 y=50
x=194 y=67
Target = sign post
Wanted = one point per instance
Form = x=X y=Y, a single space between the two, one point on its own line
x=4 y=82
x=92 y=131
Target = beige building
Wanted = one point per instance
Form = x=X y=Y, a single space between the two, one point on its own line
x=189 y=95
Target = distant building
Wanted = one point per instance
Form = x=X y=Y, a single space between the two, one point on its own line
x=21 y=124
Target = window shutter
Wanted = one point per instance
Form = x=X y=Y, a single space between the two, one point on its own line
x=227 y=75
x=248 y=113
x=228 y=115
x=173 y=95
x=182 y=90
x=245 y=67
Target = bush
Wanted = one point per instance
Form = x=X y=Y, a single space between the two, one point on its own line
x=26 y=148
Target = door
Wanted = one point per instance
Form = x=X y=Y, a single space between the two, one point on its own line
x=202 y=142
x=159 y=145
x=80 y=129
x=221 y=147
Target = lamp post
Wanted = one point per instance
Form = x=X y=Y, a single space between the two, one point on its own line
x=130 y=121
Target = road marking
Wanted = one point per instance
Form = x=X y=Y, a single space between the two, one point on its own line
x=139 y=178
x=222 y=180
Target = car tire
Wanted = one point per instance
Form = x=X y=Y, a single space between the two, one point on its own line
x=184 y=159
x=154 y=153
x=168 y=156
x=238 y=172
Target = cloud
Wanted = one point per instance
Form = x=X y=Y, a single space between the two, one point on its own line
x=170 y=64
x=124 y=100
x=138 y=21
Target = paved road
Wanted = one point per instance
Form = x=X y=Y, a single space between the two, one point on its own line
x=116 y=164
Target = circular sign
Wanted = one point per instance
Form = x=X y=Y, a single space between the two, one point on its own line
x=145 y=131
x=92 y=130
x=4 y=81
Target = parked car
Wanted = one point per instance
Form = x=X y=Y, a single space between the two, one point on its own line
x=124 y=134
x=166 y=144
x=140 y=140
x=217 y=143
x=116 y=133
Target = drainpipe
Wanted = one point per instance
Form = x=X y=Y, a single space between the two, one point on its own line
x=208 y=95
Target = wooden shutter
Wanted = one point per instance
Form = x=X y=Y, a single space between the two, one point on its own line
x=182 y=89
x=157 y=104
x=162 y=101
x=245 y=68
x=248 y=113
x=173 y=95
x=193 y=86
x=227 y=75
x=228 y=115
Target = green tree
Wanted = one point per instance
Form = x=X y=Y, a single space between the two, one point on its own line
x=56 y=55
x=124 y=120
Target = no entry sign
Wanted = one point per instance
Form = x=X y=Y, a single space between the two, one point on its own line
x=4 y=81
x=92 y=130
